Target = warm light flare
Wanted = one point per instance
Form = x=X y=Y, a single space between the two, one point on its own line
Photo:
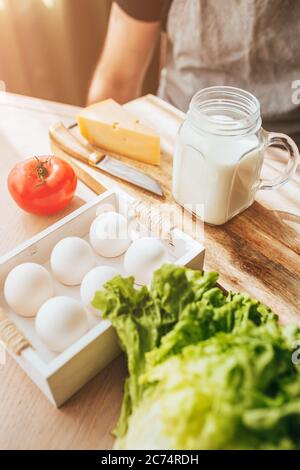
x=48 y=3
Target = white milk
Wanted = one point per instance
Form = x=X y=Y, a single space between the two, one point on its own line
x=217 y=171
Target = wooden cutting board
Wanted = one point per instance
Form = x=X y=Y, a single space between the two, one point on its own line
x=258 y=251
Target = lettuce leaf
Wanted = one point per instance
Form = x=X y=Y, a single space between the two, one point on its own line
x=137 y=318
x=141 y=318
x=207 y=370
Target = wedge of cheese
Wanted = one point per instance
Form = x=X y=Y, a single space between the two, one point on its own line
x=111 y=127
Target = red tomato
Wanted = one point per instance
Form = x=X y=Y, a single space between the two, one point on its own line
x=42 y=185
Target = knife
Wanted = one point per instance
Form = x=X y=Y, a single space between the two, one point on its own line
x=83 y=152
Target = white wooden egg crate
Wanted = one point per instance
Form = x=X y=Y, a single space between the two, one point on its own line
x=59 y=376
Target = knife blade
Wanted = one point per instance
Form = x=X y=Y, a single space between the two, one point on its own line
x=87 y=154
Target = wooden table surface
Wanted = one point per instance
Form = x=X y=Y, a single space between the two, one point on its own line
x=257 y=252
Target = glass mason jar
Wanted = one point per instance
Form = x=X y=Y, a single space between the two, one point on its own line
x=219 y=154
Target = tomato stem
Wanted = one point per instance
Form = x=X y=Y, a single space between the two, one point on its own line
x=41 y=170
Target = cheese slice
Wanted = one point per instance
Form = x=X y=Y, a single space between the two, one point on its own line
x=111 y=127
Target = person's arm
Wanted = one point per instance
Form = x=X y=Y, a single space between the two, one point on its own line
x=127 y=52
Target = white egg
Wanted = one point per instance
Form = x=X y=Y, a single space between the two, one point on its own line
x=143 y=257
x=92 y=282
x=27 y=287
x=109 y=234
x=60 y=322
x=71 y=259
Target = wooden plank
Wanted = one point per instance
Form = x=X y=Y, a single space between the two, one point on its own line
x=257 y=252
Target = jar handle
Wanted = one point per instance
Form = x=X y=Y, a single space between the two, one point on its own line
x=275 y=138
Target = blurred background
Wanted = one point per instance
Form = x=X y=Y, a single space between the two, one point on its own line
x=49 y=48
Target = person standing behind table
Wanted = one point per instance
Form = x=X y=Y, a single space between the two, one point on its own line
x=250 y=44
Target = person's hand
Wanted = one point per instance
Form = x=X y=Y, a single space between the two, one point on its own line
x=127 y=52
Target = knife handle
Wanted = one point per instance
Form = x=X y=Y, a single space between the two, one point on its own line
x=71 y=145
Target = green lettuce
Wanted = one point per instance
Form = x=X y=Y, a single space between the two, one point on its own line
x=207 y=370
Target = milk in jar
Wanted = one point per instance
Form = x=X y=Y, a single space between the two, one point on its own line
x=219 y=155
